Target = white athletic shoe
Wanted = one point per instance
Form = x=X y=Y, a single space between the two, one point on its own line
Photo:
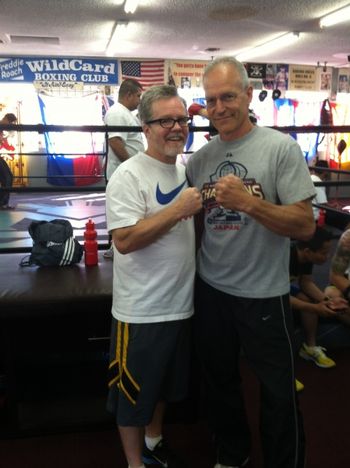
x=109 y=253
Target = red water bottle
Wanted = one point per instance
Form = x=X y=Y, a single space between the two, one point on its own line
x=90 y=244
x=321 y=218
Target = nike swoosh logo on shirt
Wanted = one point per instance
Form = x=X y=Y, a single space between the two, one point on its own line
x=165 y=198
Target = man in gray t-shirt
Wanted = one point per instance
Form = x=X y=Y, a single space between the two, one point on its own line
x=257 y=193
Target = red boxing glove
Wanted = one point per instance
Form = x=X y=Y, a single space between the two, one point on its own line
x=194 y=109
x=6 y=145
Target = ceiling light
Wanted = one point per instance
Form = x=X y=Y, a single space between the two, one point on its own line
x=271 y=46
x=336 y=17
x=130 y=6
x=118 y=32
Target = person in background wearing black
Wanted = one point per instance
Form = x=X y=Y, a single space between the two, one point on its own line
x=307 y=298
x=6 y=176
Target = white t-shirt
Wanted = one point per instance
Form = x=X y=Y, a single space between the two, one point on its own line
x=153 y=284
x=118 y=114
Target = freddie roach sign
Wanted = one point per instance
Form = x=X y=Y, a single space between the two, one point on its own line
x=71 y=69
x=302 y=77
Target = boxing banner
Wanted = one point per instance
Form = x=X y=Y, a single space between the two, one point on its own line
x=63 y=70
x=186 y=74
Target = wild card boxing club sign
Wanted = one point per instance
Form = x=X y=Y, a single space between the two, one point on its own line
x=68 y=69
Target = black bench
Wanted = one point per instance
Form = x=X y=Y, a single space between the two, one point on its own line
x=54 y=340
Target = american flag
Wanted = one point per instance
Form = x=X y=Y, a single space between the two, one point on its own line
x=148 y=73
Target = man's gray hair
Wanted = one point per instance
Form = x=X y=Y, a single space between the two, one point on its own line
x=229 y=61
x=153 y=94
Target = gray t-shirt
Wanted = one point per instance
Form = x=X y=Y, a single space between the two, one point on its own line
x=238 y=255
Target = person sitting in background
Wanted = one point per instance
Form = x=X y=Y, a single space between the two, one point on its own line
x=308 y=298
x=6 y=176
x=339 y=273
x=318 y=175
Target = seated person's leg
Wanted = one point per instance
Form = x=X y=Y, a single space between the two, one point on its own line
x=309 y=349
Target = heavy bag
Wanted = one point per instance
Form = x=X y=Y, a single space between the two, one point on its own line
x=53 y=244
x=326 y=117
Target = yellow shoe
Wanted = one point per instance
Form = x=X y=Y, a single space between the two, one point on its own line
x=298 y=385
x=316 y=354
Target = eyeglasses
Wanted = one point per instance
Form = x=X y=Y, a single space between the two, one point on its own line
x=169 y=123
x=227 y=98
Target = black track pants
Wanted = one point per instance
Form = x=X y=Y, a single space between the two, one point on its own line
x=263 y=328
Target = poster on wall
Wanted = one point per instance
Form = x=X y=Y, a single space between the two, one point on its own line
x=186 y=74
x=281 y=77
x=256 y=70
x=302 y=77
x=256 y=73
x=59 y=70
x=324 y=79
x=268 y=76
x=343 y=80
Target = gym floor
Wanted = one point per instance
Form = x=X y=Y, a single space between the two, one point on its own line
x=324 y=403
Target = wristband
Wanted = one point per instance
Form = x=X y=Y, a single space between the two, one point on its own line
x=346 y=293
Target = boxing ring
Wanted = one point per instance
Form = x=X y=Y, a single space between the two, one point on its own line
x=55 y=321
x=85 y=199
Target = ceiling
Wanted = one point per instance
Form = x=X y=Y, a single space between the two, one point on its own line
x=174 y=29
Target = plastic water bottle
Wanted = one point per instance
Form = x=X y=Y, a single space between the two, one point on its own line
x=90 y=244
